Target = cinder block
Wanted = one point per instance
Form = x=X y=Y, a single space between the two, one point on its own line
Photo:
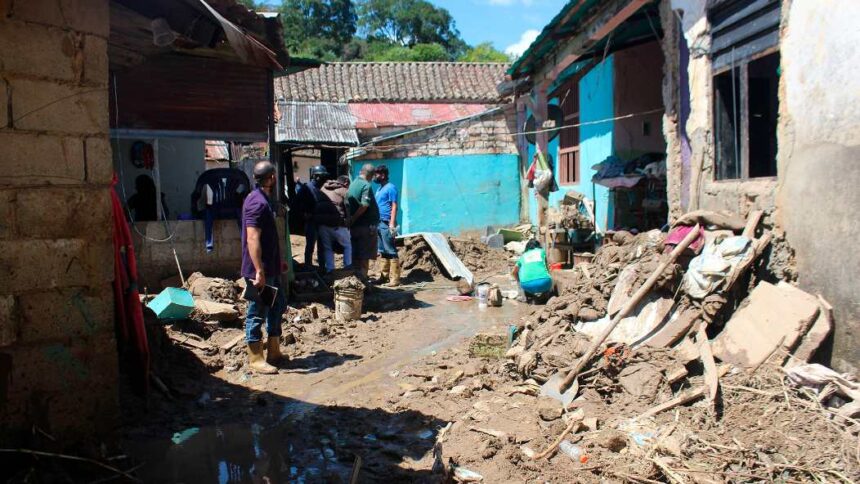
x=70 y=313
x=30 y=264
x=90 y=16
x=45 y=105
x=99 y=160
x=9 y=320
x=29 y=159
x=40 y=51
x=64 y=213
x=7 y=214
x=95 y=60
x=64 y=388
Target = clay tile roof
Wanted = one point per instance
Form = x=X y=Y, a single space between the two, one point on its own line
x=344 y=82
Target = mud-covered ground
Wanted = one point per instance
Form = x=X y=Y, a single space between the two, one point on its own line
x=425 y=389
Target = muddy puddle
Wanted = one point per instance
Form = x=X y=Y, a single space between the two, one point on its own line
x=301 y=426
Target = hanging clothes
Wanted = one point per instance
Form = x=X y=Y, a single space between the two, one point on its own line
x=131 y=332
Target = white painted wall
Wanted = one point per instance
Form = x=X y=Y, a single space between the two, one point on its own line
x=181 y=161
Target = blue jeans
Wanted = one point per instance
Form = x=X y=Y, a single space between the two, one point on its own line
x=537 y=286
x=387 y=249
x=257 y=312
x=328 y=235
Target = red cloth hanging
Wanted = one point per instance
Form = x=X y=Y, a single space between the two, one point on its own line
x=131 y=332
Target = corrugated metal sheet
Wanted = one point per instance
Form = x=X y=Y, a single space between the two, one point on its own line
x=316 y=122
x=381 y=115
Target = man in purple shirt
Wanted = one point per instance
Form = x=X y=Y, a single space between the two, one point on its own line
x=261 y=266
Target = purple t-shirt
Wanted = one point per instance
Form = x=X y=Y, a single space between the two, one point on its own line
x=258 y=212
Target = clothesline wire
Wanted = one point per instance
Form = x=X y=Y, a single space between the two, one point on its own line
x=515 y=133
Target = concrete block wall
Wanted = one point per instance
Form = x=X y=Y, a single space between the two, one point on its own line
x=58 y=360
x=156 y=262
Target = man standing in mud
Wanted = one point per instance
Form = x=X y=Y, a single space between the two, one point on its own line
x=364 y=221
x=261 y=267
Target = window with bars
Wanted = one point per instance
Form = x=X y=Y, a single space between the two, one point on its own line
x=568 y=146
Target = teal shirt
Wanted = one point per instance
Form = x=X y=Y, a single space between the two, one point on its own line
x=532 y=265
x=361 y=194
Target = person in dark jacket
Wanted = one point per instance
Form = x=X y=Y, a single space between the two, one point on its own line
x=310 y=197
x=330 y=218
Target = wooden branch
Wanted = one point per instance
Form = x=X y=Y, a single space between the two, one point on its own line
x=683 y=398
x=629 y=306
x=575 y=422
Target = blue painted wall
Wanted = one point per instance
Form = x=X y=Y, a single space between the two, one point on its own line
x=596 y=101
x=454 y=194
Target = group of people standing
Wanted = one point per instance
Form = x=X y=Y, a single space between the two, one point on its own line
x=352 y=216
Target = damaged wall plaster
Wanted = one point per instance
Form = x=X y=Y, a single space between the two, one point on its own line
x=812 y=201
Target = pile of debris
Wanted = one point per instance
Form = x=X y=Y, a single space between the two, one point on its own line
x=659 y=379
x=419 y=262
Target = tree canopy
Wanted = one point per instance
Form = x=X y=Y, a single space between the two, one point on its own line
x=374 y=30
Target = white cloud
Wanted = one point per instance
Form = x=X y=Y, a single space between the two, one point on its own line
x=516 y=50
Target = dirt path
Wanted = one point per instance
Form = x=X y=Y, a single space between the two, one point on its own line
x=327 y=405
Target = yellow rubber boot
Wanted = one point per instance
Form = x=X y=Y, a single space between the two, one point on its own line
x=384 y=267
x=257 y=360
x=394 y=280
x=273 y=350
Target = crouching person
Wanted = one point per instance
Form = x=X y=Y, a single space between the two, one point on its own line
x=261 y=265
x=532 y=273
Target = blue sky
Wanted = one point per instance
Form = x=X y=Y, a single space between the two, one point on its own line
x=509 y=24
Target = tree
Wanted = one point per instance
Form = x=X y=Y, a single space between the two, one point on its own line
x=484 y=52
x=318 y=28
x=408 y=23
x=386 y=52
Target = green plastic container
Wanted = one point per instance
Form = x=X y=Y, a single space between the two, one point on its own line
x=173 y=303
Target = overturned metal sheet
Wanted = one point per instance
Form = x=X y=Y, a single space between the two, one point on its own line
x=449 y=260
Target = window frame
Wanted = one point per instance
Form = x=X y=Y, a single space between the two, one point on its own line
x=743 y=67
x=567 y=152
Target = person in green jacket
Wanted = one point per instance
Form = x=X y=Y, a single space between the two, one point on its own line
x=532 y=272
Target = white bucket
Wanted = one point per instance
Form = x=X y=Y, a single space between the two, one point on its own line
x=483 y=295
x=347 y=305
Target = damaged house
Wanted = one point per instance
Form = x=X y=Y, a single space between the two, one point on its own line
x=442 y=128
x=87 y=83
x=749 y=104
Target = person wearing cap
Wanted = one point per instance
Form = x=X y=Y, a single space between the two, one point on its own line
x=363 y=220
x=330 y=218
x=261 y=266
x=386 y=200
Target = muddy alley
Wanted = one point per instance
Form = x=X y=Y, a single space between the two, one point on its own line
x=334 y=407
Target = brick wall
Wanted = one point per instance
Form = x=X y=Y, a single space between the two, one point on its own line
x=58 y=363
x=484 y=135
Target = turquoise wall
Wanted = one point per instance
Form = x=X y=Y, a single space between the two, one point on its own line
x=596 y=102
x=454 y=194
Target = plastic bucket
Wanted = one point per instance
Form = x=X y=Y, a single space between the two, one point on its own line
x=556 y=266
x=483 y=292
x=347 y=304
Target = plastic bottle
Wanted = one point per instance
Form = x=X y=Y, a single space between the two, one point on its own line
x=573 y=451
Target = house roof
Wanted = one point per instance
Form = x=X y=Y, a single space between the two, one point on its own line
x=346 y=82
x=388 y=115
x=315 y=123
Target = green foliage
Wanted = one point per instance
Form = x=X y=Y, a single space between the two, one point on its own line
x=383 y=52
x=409 y=23
x=373 y=30
x=317 y=28
x=484 y=52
